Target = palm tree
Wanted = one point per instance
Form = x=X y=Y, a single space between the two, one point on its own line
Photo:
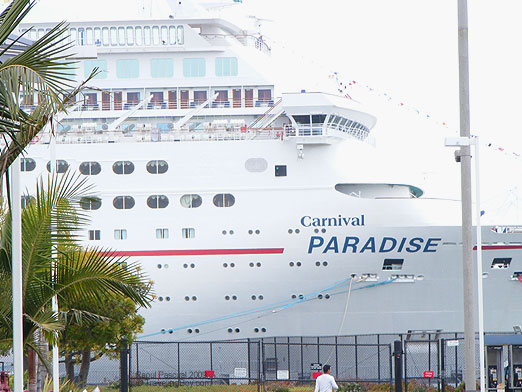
x=28 y=69
x=80 y=276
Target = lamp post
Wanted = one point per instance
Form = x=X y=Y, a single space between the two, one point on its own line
x=460 y=142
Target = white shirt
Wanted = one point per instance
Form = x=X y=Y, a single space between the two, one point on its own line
x=325 y=383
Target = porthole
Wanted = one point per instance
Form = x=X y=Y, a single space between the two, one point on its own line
x=225 y=265
x=90 y=203
x=250 y=232
x=290 y=231
x=187 y=298
x=291 y=264
x=257 y=232
x=160 y=299
x=185 y=265
x=196 y=330
x=189 y=330
x=260 y=297
x=166 y=265
x=90 y=168
x=327 y=296
x=294 y=296
x=61 y=166
x=229 y=330
x=253 y=298
x=123 y=202
x=224 y=200
x=159 y=266
x=190 y=201
x=237 y=330
x=27 y=164
x=167 y=299
x=224 y=232
x=194 y=298
x=193 y=266
x=320 y=296
x=157 y=167
x=298 y=263
x=256 y=330
x=317 y=263
x=227 y=297
x=251 y=264
x=301 y=296
x=158 y=201
x=316 y=230
x=234 y=297
x=258 y=264
x=325 y=263
x=323 y=230
x=263 y=329
x=123 y=167
x=297 y=231
x=231 y=232
x=232 y=265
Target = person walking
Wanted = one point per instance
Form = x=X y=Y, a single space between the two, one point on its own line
x=325 y=382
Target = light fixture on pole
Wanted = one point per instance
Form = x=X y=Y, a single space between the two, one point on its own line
x=459 y=142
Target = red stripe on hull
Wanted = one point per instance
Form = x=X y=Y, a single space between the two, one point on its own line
x=499 y=247
x=196 y=252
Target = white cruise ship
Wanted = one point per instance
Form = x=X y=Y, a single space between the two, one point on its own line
x=256 y=215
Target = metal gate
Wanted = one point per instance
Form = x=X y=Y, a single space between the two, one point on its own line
x=422 y=363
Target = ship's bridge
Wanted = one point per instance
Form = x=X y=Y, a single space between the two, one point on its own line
x=318 y=118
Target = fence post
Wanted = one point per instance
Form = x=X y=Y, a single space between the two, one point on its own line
x=124 y=368
x=442 y=374
x=397 y=353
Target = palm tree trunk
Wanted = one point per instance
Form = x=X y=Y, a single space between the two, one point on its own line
x=31 y=370
x=69 y=367
x=84 y=368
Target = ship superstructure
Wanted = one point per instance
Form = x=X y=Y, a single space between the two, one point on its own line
x=255 y=215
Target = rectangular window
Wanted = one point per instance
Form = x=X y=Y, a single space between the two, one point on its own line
x=97 y=36
x=162 y=234
x=156 y=102
x=226 y=66
x=172 y=35
x=120 y=234
x=249 y=97
x=264 y=95
x=118 y=99
x=105 y=36
x=132 y=100
x=130 y=36
x=280 y=171
x=89 y=65
x=139 y=35
x=392 y=264
x=194 y=67
x=184 y=99
x=155 y=35
x=146 y=35
x=89 y=36
x=94 y=235
x=106 y=100
x=127 y=69
x=499 y=263
x=200 y=96
x=188 y=233
x=236 y=94
x=172 y=99
x=162 y=68
x=90 y=101
x=114 y=36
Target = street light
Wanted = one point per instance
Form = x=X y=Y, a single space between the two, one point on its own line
x=474 y=141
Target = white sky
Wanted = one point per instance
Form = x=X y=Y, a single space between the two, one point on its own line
x=408 y=50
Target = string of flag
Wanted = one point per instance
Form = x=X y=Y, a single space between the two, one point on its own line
x=349 y=89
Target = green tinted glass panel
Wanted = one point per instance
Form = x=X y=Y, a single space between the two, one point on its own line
x=127 y=69
x=194 y=67
x=89 y=65
x=162 y=68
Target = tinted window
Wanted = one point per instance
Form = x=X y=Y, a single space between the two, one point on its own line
x=90 y=203
x=123 y=202
x=61 y=166
x=158 y=201
x=224 y=200
x=157 y=167
x=27 y=164
x=190 y=201
x=123 y=167
x=90 y=168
